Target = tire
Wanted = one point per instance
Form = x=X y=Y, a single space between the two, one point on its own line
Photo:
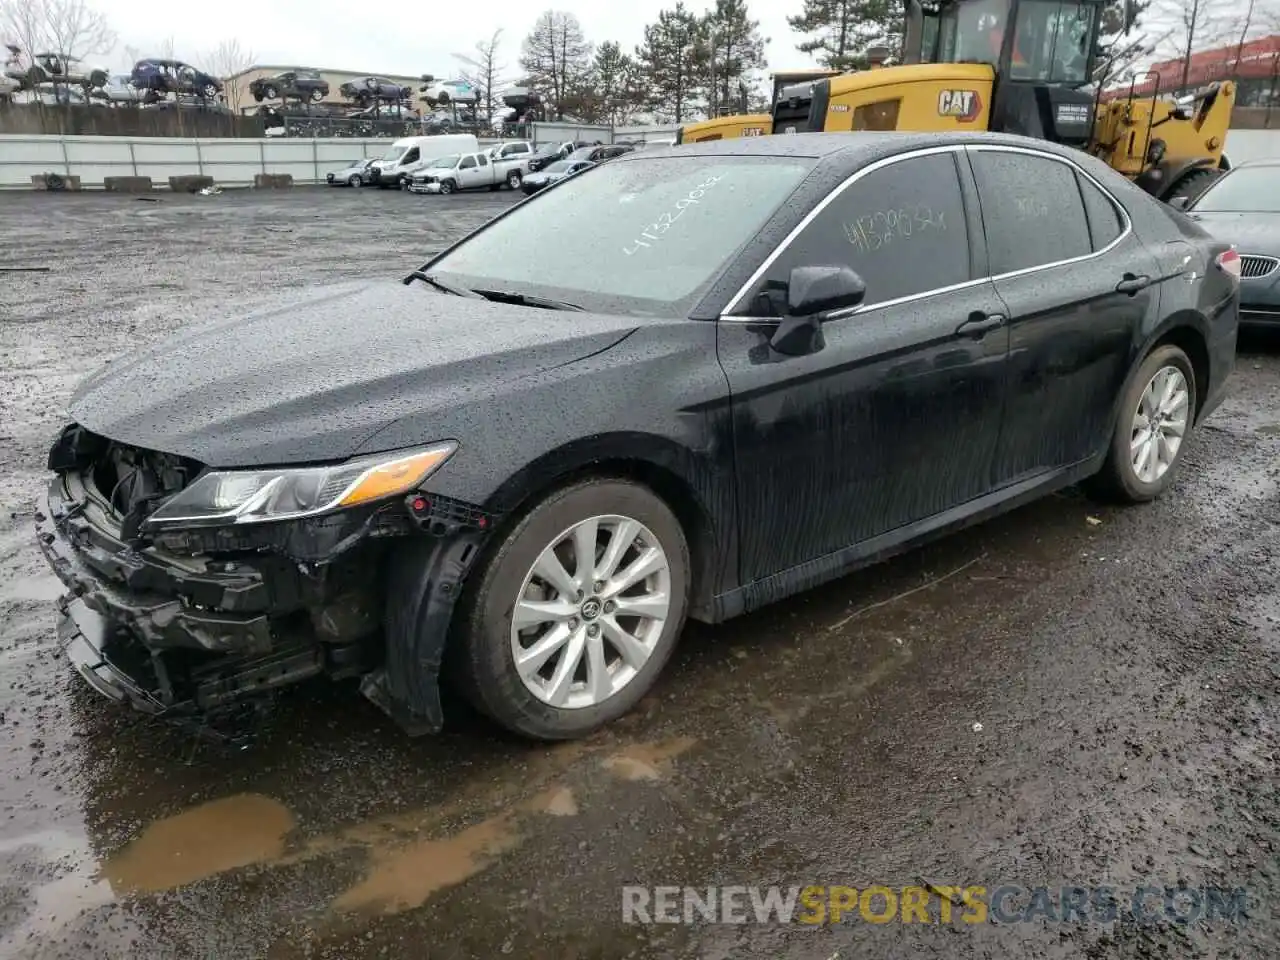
x=257 y=96
x=355 y=180
x=209 y=91
x=1119 y=479
x=514 y=179
x=482 y=660
x=317 y=95
x=98 y=78
x=1193 y=183
x=448 y=186
x=270 y=92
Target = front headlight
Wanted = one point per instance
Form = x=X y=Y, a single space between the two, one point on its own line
x=257 y=496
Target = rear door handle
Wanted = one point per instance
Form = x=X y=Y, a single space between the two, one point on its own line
x=980 y=324
x=1132 y=284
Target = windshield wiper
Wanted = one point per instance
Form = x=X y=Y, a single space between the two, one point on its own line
x=441 y=285
x=526 y=300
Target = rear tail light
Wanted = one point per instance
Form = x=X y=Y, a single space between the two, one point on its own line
x=1229 y=263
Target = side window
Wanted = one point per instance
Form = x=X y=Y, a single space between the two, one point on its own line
x=902 y=228
x=1031 y=210
x=411 y=156
x=1105 y=223
x=482 y=159
x=467 y=163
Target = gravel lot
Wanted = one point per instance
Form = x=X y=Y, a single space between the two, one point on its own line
x=1123 y=666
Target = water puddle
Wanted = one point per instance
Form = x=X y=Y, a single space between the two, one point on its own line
x=403 y=878
x=646 y=761
x=202 y=842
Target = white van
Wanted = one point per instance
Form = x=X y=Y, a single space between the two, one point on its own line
x=409 y=153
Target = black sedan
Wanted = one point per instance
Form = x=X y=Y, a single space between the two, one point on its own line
x=293 y=84
x=1243 y=208
x=533 y=182
x=749 y=368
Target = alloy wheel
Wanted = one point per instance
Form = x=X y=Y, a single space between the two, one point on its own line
x=590 y=611
x=1159 y=424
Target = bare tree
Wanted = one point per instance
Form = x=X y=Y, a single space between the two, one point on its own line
x=77 y=29
x=228 y=62
x=485 y=74
x=556 y=55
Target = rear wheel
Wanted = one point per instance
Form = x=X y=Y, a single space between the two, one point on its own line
x=270 y=92
x=514 y=179
x=576 y=612
x=317 y=95
x=1157 y=415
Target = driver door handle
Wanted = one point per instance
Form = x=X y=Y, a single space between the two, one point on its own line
x=980 y=324
x=1132 y=284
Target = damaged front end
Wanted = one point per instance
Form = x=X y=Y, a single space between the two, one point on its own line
x=196 y=593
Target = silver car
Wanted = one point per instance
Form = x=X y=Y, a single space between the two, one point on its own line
x=355 y=175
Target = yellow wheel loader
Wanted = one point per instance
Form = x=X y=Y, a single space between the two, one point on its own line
x=1016 y=66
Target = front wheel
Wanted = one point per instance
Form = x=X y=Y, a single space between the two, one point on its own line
x=1157 y=415
x=271 y=93
x=575 y=613
x=514 y=179
x=317 y=95
x=355 y=180
x=448 y=186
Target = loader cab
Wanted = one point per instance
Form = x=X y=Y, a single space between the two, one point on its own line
x=1017 y=66
x=1043 y=53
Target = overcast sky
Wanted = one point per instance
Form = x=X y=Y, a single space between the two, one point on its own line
x=408 y=40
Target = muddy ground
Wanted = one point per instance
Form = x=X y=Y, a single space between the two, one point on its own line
x=1124 y=666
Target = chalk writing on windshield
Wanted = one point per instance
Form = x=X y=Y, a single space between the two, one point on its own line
x=881 y=229
x=658 y=229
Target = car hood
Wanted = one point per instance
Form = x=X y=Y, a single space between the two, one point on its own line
x=318 y=378
x=1250 y=232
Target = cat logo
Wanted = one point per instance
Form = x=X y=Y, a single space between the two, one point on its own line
x=964 y=105
x=753 y=131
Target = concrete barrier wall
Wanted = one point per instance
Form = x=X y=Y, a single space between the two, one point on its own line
x=231 y=162
x=235 y=162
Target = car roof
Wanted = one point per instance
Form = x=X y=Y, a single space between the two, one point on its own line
x=863 y=145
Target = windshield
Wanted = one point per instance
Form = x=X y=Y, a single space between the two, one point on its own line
x=395 y=153
x=640 y=236
x=1052 y=38
x=1246 y=190
x=1051 y=41
x=450 y=161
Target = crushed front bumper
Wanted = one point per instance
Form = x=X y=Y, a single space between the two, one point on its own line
x=195 y=639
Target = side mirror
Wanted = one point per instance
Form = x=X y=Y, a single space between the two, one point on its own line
x=1180 y=203
x=813 y=292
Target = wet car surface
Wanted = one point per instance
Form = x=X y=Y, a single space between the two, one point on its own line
x=1122 y=665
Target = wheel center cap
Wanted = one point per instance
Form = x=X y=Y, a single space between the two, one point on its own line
x=591 y=609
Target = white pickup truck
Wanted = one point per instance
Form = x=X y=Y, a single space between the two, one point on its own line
x=468 y=171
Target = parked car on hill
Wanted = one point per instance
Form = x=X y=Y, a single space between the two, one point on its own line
x=622 y=405
x=293 y=84
x=1242 y=207
x=119 y=89
x=163 y=77
x=31 y=72
x=374 y=88
x=353 y=175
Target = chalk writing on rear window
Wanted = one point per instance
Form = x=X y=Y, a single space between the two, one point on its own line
x=657 y=230
x=873 y=231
